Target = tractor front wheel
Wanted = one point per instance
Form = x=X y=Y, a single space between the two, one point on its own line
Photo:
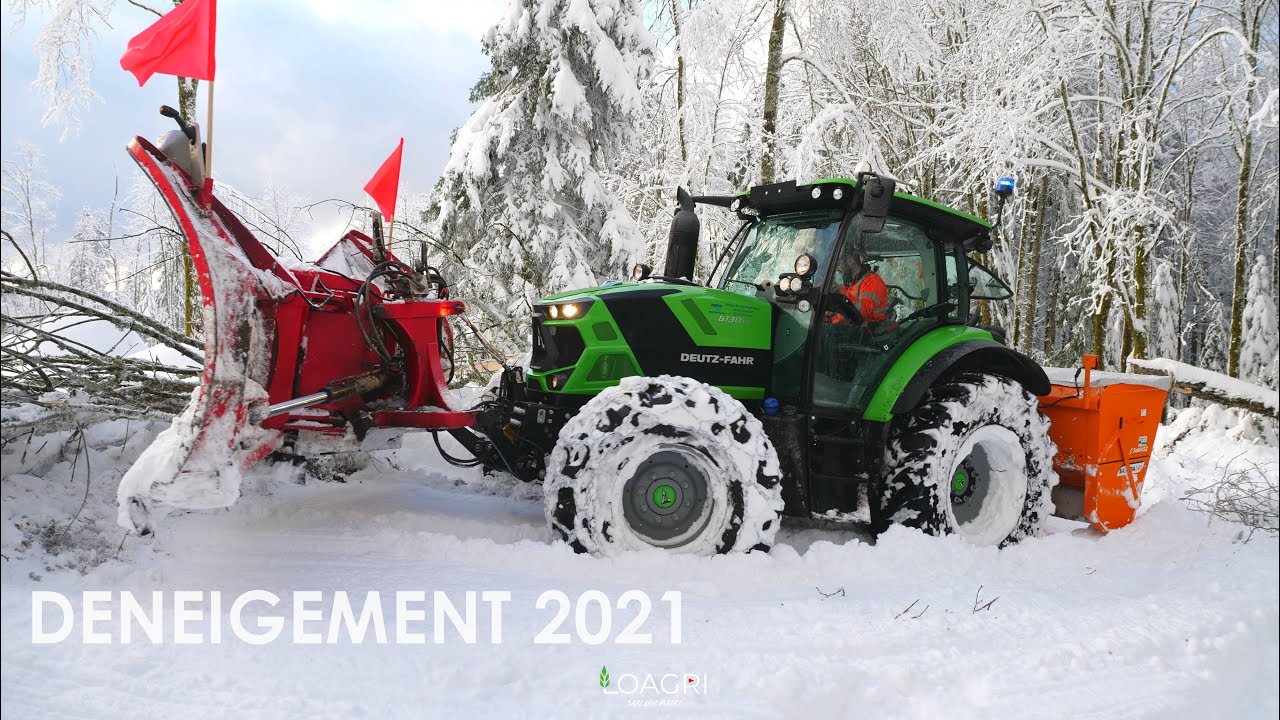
x=664 y=462
x=974 y=459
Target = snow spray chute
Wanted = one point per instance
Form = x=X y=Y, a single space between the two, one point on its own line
x=287 y=349
x=682 y=243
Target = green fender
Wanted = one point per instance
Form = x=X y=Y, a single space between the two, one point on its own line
x=946 y=350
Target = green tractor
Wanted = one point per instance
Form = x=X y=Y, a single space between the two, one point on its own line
x=663 y=412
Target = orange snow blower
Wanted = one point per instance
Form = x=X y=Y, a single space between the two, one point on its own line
x=1105 y=429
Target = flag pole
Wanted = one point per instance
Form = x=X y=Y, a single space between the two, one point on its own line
x=207 y=191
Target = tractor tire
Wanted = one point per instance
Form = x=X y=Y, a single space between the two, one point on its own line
x=665 y=462
x=974 y=459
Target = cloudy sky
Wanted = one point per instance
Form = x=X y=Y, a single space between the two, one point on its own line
x=311 y=96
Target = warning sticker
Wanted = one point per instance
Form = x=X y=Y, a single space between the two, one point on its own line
x=1135 y=467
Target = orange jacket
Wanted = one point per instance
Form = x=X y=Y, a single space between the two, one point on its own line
x=869 y=295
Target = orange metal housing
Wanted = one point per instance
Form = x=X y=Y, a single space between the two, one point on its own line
x=1105 y=429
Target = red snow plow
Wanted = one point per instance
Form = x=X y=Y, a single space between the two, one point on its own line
x=354 y=339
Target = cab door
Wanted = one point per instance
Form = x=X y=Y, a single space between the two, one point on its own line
x=850 y=358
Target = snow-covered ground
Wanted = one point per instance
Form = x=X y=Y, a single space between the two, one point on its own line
x=1170 y=617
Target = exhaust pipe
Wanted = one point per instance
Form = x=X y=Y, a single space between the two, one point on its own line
x=682 y=243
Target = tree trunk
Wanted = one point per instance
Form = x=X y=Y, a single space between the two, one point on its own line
x=1033 y=279
x=1243 y=200
x=1239 y=287
x=1100 y=331
x=772 y=79
x=1020 y=282
x=187 y=109
x=675 y=24
x=1184 y=258
x=1051 y=317
x=1211 y=386
x=1139 y=325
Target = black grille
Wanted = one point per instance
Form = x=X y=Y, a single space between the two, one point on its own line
x=555 y=346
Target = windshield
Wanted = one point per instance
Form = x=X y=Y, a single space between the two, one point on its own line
x=771 y=247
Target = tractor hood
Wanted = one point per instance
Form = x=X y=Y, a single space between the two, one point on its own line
x=586 y=340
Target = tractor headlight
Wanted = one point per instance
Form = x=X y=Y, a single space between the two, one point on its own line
x=640 y=272
x=567 y=310
x=816 y=193
x=793 y=285
x=804 y=264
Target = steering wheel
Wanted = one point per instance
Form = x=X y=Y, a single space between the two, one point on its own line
x=837 y=303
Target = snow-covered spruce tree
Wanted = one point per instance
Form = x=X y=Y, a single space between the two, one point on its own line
x=522 y=203
x=1213 y=347
x=89 y=264
x=1164 y=313
x=1259 y=345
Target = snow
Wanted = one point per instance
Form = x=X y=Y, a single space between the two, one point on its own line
x=1172 y=616
x=165 y=355
x=1097 y=378
x=94 y=333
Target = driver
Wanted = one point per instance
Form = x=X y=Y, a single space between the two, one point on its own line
x=864 y=287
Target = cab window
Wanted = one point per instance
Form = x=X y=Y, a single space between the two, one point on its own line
x=771 y=247
x=984 y=285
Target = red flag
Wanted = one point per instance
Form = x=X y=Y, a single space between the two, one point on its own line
x=179 y=43
x=385 y=184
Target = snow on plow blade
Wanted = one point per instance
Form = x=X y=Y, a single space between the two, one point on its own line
x=259 y=380
x=1105 y=429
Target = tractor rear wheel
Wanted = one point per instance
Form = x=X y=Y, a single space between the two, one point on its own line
x=664 y=462
x=974 y=459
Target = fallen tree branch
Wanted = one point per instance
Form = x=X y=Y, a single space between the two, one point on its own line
x=25 y=259
x=123 y=317
x=1248 y=496
x=44 y=366
x=978 y=605
x=1212 y=386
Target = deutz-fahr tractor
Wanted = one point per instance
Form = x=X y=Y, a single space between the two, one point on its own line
x=657 y=412
x=671 y=413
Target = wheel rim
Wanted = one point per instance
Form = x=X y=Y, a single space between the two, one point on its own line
x=963 y=482
x=665 y=500
x=988 y=487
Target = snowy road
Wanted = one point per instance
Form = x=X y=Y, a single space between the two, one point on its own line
x=1166 y=618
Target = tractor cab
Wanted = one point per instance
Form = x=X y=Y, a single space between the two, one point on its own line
x=808 y=249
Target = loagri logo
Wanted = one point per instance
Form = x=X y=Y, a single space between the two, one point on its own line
x=648 y=689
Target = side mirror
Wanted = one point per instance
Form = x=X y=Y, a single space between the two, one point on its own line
x=877 y=193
